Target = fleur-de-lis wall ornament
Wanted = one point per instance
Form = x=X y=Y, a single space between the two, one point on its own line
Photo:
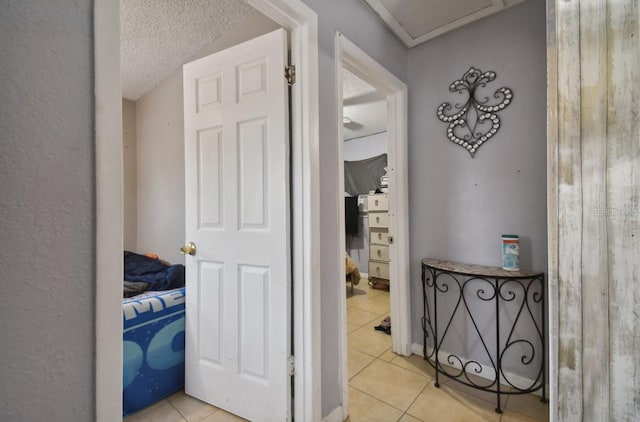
x=474 y=122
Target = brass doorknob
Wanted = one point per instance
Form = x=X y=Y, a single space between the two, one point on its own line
x=188 y=249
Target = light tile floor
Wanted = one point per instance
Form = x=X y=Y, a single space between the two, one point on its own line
x=181 y=408
x=383 y=386
x=387 y=387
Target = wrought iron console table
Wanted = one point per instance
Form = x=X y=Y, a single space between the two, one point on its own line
x=481 y=298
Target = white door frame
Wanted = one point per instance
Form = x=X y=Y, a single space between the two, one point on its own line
x=302 y=24
x=351 y=57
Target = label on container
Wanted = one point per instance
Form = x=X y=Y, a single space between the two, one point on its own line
x=510 y=252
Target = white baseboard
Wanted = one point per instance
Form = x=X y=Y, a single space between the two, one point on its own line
x=364 y=275
x=335 y=416
x=416 y=348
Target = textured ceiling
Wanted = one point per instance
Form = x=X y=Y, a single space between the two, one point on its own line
x=365 y=107
x=158 y=36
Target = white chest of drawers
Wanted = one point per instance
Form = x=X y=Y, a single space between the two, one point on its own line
x=378 y=208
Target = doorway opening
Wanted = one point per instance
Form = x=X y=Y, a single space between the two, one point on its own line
x=389 y=264
x=301 y=22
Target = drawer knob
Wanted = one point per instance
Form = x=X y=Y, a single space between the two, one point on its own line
x=379 y=252
x=377 y=219
x=376 y=202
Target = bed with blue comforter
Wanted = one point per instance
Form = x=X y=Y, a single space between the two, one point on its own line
x=153 y=349
x=153 y=343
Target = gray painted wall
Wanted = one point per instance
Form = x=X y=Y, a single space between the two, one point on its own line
x=365 y=147
x=130 y=179
x=47 y=211
x=460 y=206
x=48 y=180
x=357 y=22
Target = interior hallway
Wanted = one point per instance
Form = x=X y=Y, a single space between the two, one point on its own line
x=383 y=387
x=386 y=387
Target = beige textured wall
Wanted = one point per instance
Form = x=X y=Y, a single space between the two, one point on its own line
x=160 y=170
x=130 y=212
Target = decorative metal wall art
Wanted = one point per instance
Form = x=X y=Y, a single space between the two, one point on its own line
x=474 y=122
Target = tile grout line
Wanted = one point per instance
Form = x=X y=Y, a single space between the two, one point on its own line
x=414 y=372
x=382 y=401
x=375 y=398
x=365 y=367
x=375 y=358
x=406 y=412
x=176 y=409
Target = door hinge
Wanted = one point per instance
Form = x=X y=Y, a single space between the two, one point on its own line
x=291 y=365
x=290 y=74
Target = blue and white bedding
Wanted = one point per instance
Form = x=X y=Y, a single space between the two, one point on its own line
x=153 y=349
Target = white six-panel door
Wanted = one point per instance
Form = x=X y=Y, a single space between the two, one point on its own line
x=237 y=214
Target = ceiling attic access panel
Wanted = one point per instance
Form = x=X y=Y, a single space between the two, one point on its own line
x=417 y=21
